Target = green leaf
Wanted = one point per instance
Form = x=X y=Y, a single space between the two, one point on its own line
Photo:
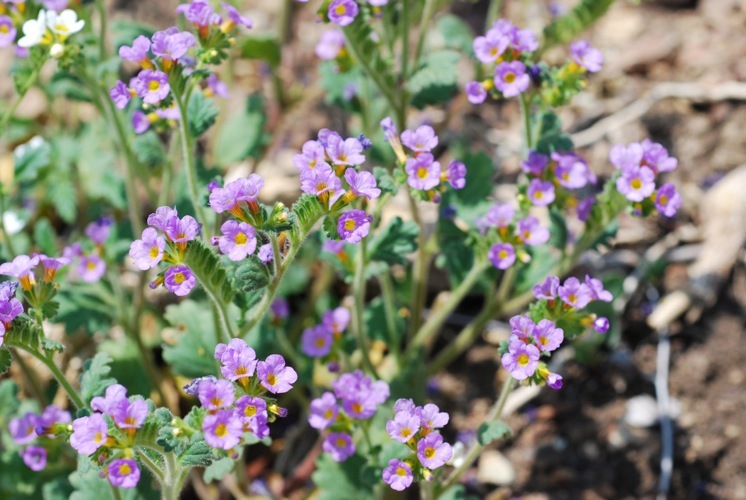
x=543 y=259
x=23 y=333
x=201 y=113
x=155 y=421
x=470 y=202
x=491 y=431
x=190 y=351
x=219 y=469
x=197 y=454
x=69 y=86
x=394 y=242
x=242 y=134
x=95 y=378
x=5 y=359
x=551 y=136
x=361 y=40
x=62 y=196
x=251 y=275
x=45 y=237
x=580 y=18
x=208 y=269
x=330 y=224
x=341 y=480
x=263 y=47
x=8 y=401
x=125 y=30
x=435 y=81
x=31 y=157
x=385 y=182
x=149 y=149
x=456 y=33
x=558 y=229
x=308 y=210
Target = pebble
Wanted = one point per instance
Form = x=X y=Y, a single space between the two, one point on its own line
x=495 y=468
x=641 y=411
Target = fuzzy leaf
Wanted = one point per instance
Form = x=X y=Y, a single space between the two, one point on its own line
x=23 y=333
x=558 y=229
x=208 y=269
x=201 y=113
x=190 y=351
x=551 y=136
x=251 y=275
x=394 y=242
x=45 y=237
x=95 y=378
x=456 y=33
x=149 y=149
x=262 y=47
x=62 y=195
x=341 y=480
x=580 y=18
x=435 y=81
x=197 y=454
x=330 y=225
x=219 y=469
x=29 y=158
x=491 y=431
x=5 y=359
x=242 y=134
x=385 y=182
x=308 y=210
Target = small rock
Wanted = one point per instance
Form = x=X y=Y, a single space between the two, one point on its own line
x=641 y=411
x=495 y=468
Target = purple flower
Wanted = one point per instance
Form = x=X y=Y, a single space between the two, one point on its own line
x=405 y=405
x=339 y=445
x=317 y=341
x=601 y=325
x=571 y=171
x=280 y=308
x=403 y=427
x=432 y=418
x=475 y=92
x=490 y=47
x=575 y=294
x=502 y=255
x=324 y=411
x=222 y=430
x=511 y=78
x=113 y=396
x=148 y=251
x=123 y=473
x=265 y=253
x=554 y=381
x=238 y=240
x=359 y=394
x=163 y=219
x=238 y=360
x=235 y=18
x=532 y=232
x=120 y=94
x=636 y=183
x=332 y=246
x=500 y=215
x=8 y=31
x=192 y=388
x=398 y=475
x=138 y=52
x=89 y=434
x=656 y=157
x=342 y=12
x=330 y=45
x=354 y=225
x=99 y=230
x=525 y=40
x=199 y=13
x=216 y=395
x=9 y=310
x=252 y=412
x=274 y=375
x=49 y=417
x=179 y=280
x=151 y=85
x=424 y=172
x=217 y=87
x=91 y=268
x=548 y=289
x=667 y=201
x=237 y=193
x=320 y=180
x=535 y=163
x=597 y=289
x=181 y=231
x=35 y=457
x=172 y=44
x=547 y=336
x=130 y=414
x=389 y=128
x=433 y=452
x=23 y=429
x=344 y=151
x=21 y=268
x=140 y=122
x=312 y=154
x=336 y=320
x=626 y=156
x=584 y=208
x=422 y=140
x=541 y=193
x=8 y=290
x=362 y=183
x=457 y=174
x=586 y=56
x=522 y=328
x=521 y=360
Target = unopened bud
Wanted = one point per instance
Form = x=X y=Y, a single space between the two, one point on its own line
x=57 y=50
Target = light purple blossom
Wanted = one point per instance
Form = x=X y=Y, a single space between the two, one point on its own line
x=354 y=225
x=500 y=215
x=405 y=405
x=8 y=31
x=343 y=12
x=511 y=78
x=547 y=336
x=130 y=414
x=433 y=452
x=431 y=417
x=21 y=267
x=107 y=404
x=522 y=327
x=217 y=86
x=222 y=430
x=521 y=360
x=274 y=375
x=475 y=92
x=324 y=411
x=123 y=473
x=584 y=208
x=344 y=151
x=524 y=40
x=398 y=475
x=199 y=13
x=502 y=255
x=238 y=240
x=192 y=388
x=236 y=194
x=23 y=429
x=238 y=360
x=597 y=289
x=50 y=416
x=586 y=56
x=179 y=280
x=403 y=427
x=91 y=268
x=457 y=174
x=252 y=412
x=667 y=201
x=89 y=434
x=312 y=154
x=9 y=310
x=235 y=18
x=121 y=95
x=422 y=140
x=35 y=458
x=636 y=183
x=181 y=231
x=626 y=156
x=320 y=180
x=339 y=446
x=172 y=44
x=532 y=232
x=359 y=394
x=317 y=341
x=140 y=122
x=138 y=52
x=280 y=308
x=491 y=46
x=574 y=293
x=148 y=251
x=362 y=183
x=265 y=253
x=216 y=395
x=151 y=85
x=541 y=193
x=336 y=320
x=656 y=157
x=572 y=171
x=330 y=45
x=423 y=171
x=535 y=163
x=554 y=381
x=601 y=325
x=548 y=289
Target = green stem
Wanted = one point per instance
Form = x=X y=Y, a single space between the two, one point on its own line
x=358 y=292
x=226 y=332
x=419 y=270
x=151 y=466
x=404 y=41
x=31 y=378
x=49 y=362
x=101 y=7
x=187 y=150
x=427 y=15
x=494 y=414
x=115 y=492
x=492 y=13
x=6 y=237
x=389 y=296
x=526 y=112
x=26 y=86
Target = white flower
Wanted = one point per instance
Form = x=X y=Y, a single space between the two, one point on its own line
x=65 y=23
x=34 y=30
x=57 y=50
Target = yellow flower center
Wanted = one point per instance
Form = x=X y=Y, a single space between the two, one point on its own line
x=216 y=401
x=154 y=85
x=179 y=278
x=405 y=432
x=241 y=370
x=523 y=359
x=91 y=265
x=429 y=452
x=153 y=253
x=422 y=172
x=636 y=184
x=221 y=430
x=401 y=471
x=241 y=239
x=503 y=254
x=340 y=10
x=250 y=411
x=663 y=200
x=98 y=437
x=341 y=442
x=60 y=27
x=357 y=408
x=125 y=469
x=271 y=379
x=4 y=29
x=328 y=414
x=320 y=186
x=509 y=77
x=538 y=195
x=320 y=342
x=350 y=224
x=130 y=421
x=572 y=297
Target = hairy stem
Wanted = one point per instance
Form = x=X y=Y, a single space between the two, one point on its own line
x=190 y=167
x=6 y=236
x=388 y=295
x=12 y=109
x=49 y=362
x=358 y=293
x=419 y=270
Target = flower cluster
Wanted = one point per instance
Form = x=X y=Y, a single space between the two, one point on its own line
x=551 y=178
x=50 y=29
x=423 y=172
x=320 y=341
x=638 y=163
x=91 y=265
x=559 y=304
x=344 y=12
x=240 y=404
x=37 y=293
x=356 y=397
x=36 y=433
x=152 y=248
x=331 y=46
x=110 y=431
x=415 y=426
